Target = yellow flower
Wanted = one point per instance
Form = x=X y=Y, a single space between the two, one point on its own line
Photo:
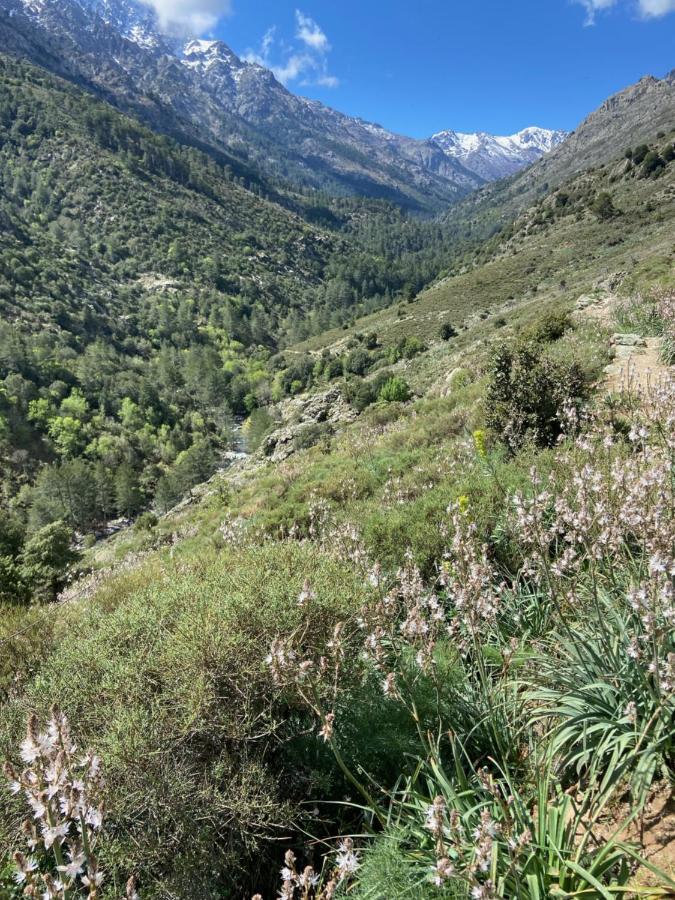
x=479 y=443
x=463 y=503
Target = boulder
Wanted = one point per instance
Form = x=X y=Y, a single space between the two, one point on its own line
x=628 y=340
x=329 y=408
x=585 y=301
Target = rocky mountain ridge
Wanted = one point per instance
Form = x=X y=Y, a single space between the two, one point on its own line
x=632 y=116
x=494 y=156
x=116 y=48
x=119 y=48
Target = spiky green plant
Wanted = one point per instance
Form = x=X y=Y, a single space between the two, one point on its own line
x=612 y=711
x=481 y=835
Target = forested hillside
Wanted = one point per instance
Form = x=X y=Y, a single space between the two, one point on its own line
x=144 y=293
x=336 y=545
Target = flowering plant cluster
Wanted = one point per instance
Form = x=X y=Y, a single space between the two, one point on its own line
x=665 y=309
x=62 y=787
x=308 y=884
x=597 y=547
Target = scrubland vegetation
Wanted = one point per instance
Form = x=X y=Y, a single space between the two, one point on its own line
x=429 y=654
x=449 y=641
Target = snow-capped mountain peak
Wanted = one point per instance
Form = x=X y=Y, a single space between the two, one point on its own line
x=201 y=54
x=240 y=105
x=539 y=138
x=496 y=156
x=214 y=60
x=136 y=22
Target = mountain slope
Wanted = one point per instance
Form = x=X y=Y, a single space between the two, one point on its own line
x=493 y=157
x=196 y=799
x=106 y=200
x=552 y=252
x=142 y=272
x=115 y=387
x=629 y=117
x=115 y=47
x=633 y=116
x=157 y=291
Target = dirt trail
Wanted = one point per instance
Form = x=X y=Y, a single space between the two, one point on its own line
x=637 y=360
x=635 y=367
x=653 y=834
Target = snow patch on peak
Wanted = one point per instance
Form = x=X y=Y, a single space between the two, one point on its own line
x=496 y=156
x=202 y=56
x=34 y=6
x=542 y=138
x=145 y=38
x=192 y=48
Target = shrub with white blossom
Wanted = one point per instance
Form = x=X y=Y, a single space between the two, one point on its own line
x=597 y=548
x=61 y=785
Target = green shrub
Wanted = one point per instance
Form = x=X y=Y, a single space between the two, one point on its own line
x=310 y=435
x=603 y=207
x=639 y=153
x=146 y=521
x=406 y=348
x=45 y=560
x=358 y=362
x=395 y=390
x=334 y=368
x=528 y=395
x=9 y=889
x=548 y=328
x=359 y=393
x=183 y=713
x=258 y=425
x=652 y=163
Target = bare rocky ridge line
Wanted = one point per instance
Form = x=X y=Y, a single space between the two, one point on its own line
x=117 y=46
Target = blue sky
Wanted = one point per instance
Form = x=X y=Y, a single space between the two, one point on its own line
x=420 y=67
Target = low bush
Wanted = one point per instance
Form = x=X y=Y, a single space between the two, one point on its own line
x=530 y=396
x=548 y=328
x=395 y=390
x=183 y=715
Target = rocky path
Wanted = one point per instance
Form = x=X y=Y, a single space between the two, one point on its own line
x=637 y=363
x=636 y=360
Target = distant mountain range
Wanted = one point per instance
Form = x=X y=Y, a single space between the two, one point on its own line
x=205 y=90
x=491 y=157
x=635 y=115
x=202 y=93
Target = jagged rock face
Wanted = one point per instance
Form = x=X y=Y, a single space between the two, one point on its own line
x=633 y=116
x=302 y=414
x=630 y=117
x=492 y=157
x=118 y=47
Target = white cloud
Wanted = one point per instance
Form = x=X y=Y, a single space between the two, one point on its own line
x=304 y=60
x=651 y=9
x=329 y=81
x=310 y=33
x=594 y=6
x=648 y=9
x=295 y=66
x=191 y=16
